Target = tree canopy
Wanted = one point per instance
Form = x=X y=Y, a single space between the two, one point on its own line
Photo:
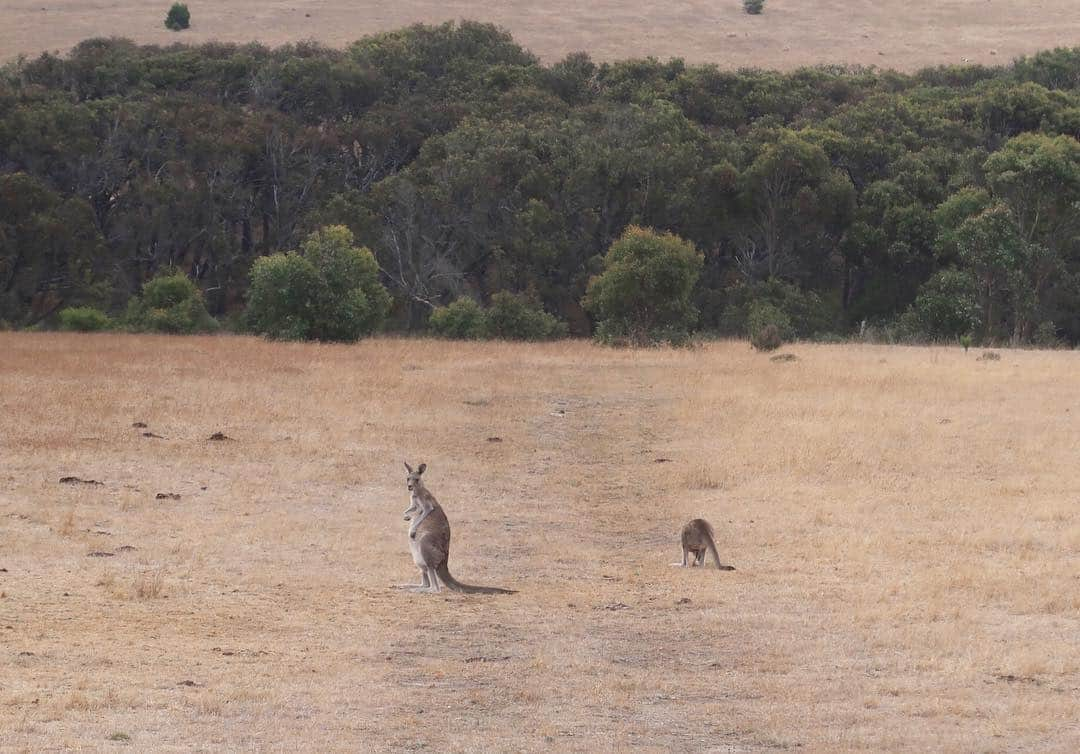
x=468 y=168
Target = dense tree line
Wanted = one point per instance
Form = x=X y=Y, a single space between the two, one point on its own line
x=936 y=205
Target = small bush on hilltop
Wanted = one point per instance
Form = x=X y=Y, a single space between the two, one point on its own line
x=753 y=7
x=84 y=319
x=328 y=291
x=178 y=18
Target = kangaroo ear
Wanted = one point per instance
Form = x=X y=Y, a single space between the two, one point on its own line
x=422 y=468
x=407 y=466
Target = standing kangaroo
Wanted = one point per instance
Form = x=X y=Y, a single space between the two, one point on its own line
x=429 y=540
x=697 y=537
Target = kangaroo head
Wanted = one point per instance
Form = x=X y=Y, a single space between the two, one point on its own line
x=413 y=479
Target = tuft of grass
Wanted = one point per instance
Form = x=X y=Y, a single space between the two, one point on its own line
x=148 y=585
x=66 y=527
x=118 y=736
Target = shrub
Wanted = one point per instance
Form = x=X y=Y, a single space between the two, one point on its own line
x=946 y=308
x=328 y=291
x=768 y=327
x=170 y=303
x=516 y=318
x=178 y=18
x=84 y=319
x=509 y=317
x=808 y=315
x=462 y=320
x=753 y=7
x=1046 y=336
x=644 y=293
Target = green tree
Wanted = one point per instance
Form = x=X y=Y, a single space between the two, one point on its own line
x=946 y=307
x=644 y=293
x=330 y=290
x=178 y=18
x=170 y=303
x=1038 y=177
x=514 y=317
x=51 y=253
x=462 y=319
x=991 y=248
x=768 y=327
x=84 y=319
x=780 y=185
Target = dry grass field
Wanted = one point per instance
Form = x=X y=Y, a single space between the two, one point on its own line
x=905 y=523
x=900 y=34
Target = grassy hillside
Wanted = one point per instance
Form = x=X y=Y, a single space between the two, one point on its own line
x=791 y=33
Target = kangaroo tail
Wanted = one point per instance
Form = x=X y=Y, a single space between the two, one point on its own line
x=716 y=556
x=457 y=586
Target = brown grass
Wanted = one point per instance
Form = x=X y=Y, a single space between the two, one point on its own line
x=905 y=523
x=887 y=33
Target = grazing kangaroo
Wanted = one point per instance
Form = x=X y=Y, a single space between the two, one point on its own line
x=429 y=541
x=697 y=537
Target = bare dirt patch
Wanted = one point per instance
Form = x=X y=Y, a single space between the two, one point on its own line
x=902 y=584
x=791 y=33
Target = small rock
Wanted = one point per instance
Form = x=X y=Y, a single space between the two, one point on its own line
x=993 y=52
x=125 y=548
x=662 y=460
x=76 y=480
x=684 y=601
x=139 y=425
x=188 y=683
x=99 y=554
x=616 y=606
x=152 y=435
x=167 y=496
x=494 y=439
x=219 y=437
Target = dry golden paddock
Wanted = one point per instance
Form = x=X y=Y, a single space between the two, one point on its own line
x=901 y=34
x=905 y=523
